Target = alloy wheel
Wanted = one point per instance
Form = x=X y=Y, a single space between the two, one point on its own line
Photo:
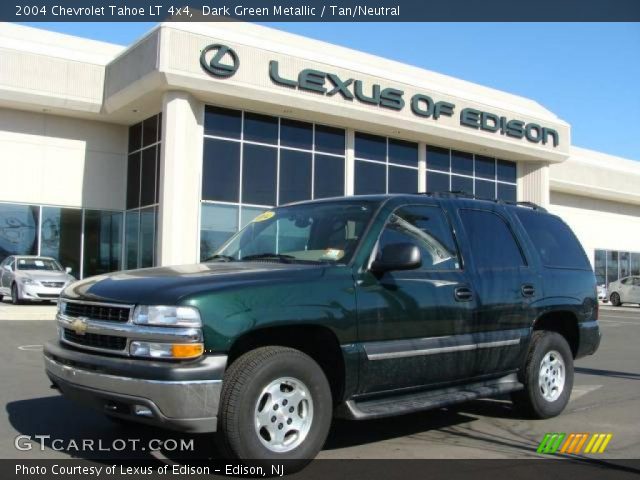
x=551 y=377
x=283 y=414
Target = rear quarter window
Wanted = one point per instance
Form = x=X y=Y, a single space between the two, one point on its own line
x=556 y=244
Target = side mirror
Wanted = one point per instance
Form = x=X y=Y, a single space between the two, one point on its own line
x=68 y=269
x=7 y=268
x=398 y=256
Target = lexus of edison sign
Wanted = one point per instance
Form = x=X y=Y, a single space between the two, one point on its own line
x=225 y=62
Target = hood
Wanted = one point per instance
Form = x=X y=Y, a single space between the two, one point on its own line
x=44 y=275
x=169 y=285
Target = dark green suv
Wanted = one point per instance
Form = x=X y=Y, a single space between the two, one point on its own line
x=360 y=307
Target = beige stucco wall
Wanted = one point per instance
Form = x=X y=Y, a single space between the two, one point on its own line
x=54 y=160
x=597 y=175
x=599 y=224
x=52 y=70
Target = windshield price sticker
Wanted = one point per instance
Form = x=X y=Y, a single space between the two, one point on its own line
x=264 y=216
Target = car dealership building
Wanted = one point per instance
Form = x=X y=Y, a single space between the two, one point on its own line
x=118 y=157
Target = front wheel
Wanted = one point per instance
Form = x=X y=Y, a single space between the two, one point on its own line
x=547 y=376
x=15 y=299
x=615 y=299
x=276 y=404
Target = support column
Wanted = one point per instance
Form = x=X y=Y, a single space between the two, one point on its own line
x=533 y=183
x=180 y=174
x=422 y=167
x=349 y=177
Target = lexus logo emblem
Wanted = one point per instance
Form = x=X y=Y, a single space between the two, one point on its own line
x=224 y=62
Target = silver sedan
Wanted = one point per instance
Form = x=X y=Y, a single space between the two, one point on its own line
x=25 y=277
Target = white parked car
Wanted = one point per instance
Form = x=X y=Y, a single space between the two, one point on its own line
x=602 y=293
x=625 y=290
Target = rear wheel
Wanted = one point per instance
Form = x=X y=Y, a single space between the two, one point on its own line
x=615 y=299
x=276 y=404
x=547 y=376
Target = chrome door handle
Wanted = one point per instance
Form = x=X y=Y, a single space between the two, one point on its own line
x=528 y=290
x=463 y=294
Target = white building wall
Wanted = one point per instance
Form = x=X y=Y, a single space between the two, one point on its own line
x=54 y=160
x=599 y=224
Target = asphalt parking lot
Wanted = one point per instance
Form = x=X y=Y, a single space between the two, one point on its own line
x=606 y=398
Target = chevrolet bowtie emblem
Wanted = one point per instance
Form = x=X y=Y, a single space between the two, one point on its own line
x=79 y=325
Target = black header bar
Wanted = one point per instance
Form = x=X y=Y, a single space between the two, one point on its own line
x=320 y=11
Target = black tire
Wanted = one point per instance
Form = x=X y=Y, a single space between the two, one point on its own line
x=243 y=386
x=531 y=400
x=14 y=295
x=615 y=299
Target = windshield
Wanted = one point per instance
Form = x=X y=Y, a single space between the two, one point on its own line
x=327 y=232
x=38 y=264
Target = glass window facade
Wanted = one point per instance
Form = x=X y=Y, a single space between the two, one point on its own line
x=610 y=265
x=18 y=229
x=384 y=165
x=252 y=162
x=479 y=175
x=143 y=193
x=102 y=242
x=61 y=236
x=87 y=241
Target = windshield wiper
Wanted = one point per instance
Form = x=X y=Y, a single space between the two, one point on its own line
x=268 y=256
x=218 y=256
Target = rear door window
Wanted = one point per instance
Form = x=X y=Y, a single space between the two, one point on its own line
x=493 y=245
x=553 y=239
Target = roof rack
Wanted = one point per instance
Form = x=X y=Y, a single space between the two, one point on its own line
x=449 y=194
x=463 y=194
x=531 y=205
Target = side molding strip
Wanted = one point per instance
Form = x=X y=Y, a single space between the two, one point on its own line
x=436 y=345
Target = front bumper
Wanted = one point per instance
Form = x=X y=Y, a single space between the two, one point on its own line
x=177 y=396
x=39 y=292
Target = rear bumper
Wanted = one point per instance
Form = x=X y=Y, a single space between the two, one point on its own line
x=181 y=397
x=589 y=338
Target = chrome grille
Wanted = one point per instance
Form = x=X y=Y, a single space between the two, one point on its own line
x=53 y=284
x=94 y=340
x=97 y=311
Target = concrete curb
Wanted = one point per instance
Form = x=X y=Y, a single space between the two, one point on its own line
x=27 y=312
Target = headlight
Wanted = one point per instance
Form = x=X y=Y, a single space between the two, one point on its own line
x=28 y=281
x=167 y=316
x=166 y=350
x=62 y=306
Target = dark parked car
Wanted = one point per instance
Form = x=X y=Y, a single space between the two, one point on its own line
x=360 y=307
